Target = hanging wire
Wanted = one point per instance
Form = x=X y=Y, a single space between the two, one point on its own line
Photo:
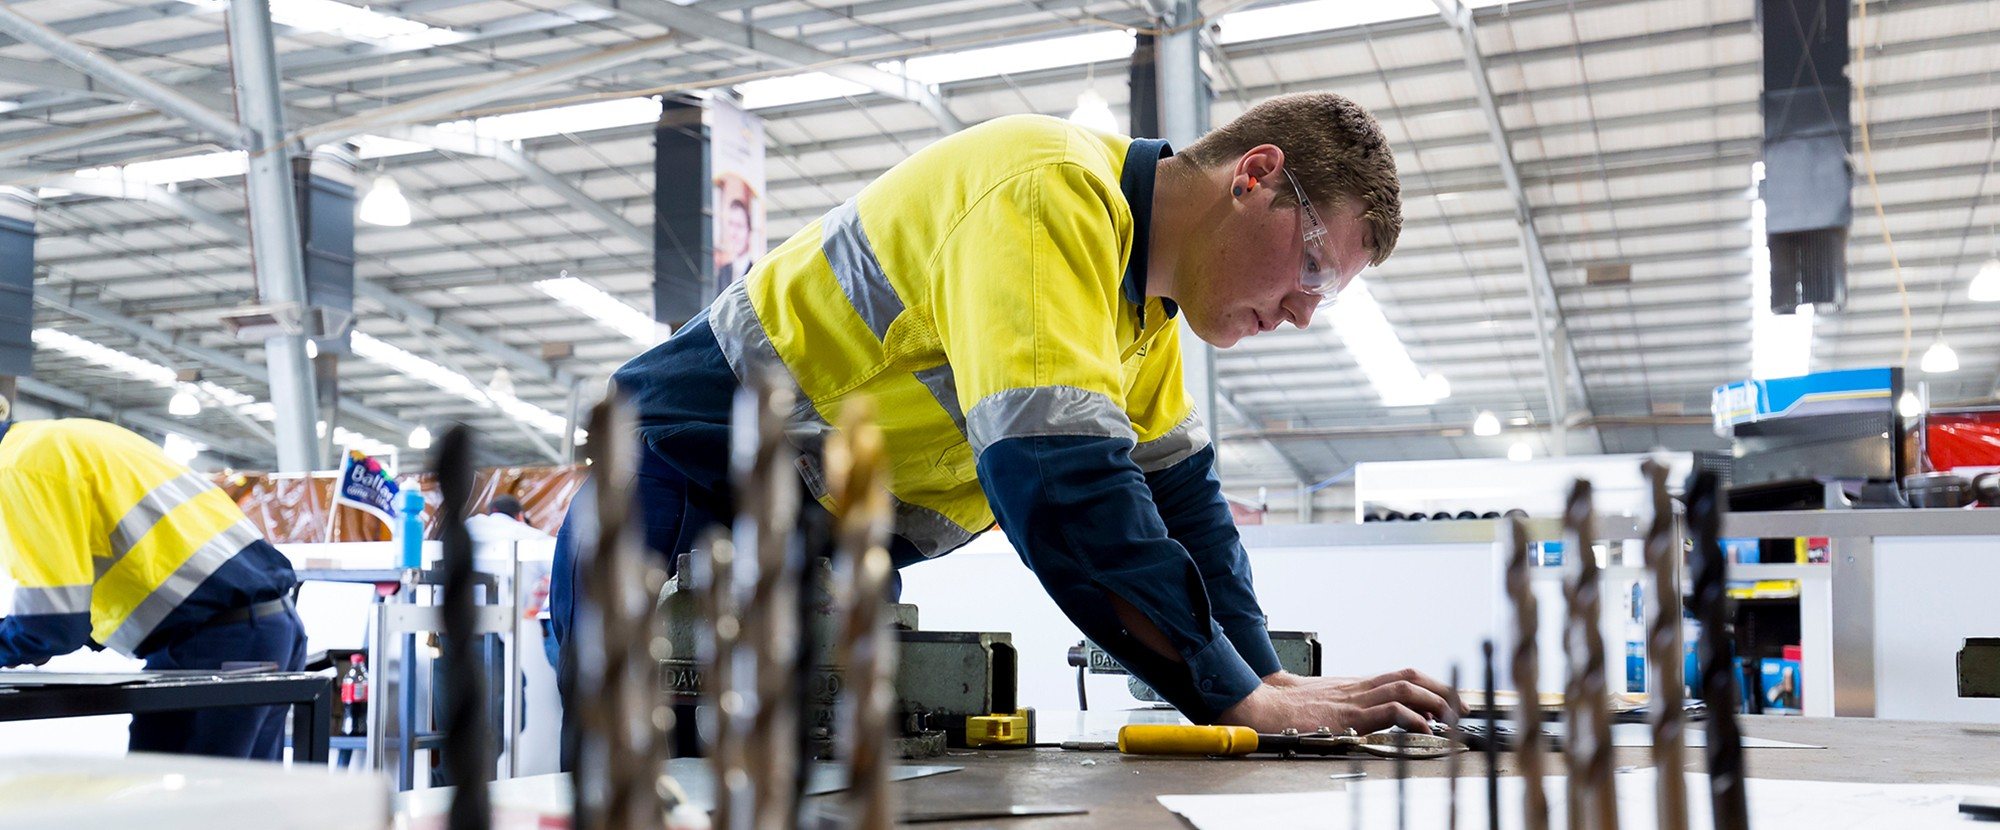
x=1868 y=164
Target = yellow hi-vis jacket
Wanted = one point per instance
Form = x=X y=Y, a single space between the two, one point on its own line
x=108 y=540
x=989 y=293
x=1004 y=247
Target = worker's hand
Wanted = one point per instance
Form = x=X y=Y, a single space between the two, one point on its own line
x=1407 y=698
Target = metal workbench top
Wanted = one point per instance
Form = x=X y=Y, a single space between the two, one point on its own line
x=1120 y=791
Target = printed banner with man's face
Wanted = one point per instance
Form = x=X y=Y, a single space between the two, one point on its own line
x=736 y=158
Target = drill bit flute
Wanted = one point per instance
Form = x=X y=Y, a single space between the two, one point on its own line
x=1718 y=671
x=858 y=477
x=1664 y=650
x=468 y=747
x=1526 y=668
x=767 y=563
x=622 y=755
x=1593 y=801
x=1492 y=747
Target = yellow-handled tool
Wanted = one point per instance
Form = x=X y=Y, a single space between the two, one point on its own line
x=1173 y=739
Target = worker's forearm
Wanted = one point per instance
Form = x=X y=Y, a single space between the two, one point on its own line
x=1189 y=499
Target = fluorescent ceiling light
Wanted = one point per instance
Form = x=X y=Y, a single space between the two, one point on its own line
x=1985 y=287
x=1520 y=451
x=174 y=170
x=1322 y=15
x=437 y=375
x=597 y=115
x=1781 y=345
x=1939 y=359
x=1486 y=425
x=352 y=22
x=1016 y=58
x=164 y=377
x=602 y=307
x=796 y=89
x=1359 y=321
x=384 y=204
x=948 y=67
x=1094 y=112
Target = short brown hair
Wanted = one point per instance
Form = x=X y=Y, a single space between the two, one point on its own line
x=1334 y=147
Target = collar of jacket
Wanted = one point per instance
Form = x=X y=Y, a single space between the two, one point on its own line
x=1142 y=161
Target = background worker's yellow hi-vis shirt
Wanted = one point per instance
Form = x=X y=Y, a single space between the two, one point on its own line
x=109 y=541
x=989 y=293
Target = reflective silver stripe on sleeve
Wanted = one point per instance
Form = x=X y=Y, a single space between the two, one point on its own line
x=64 y=599
x=178 y=586
x=1044 y=410
x=931 y=533
x=944 y=387
x=1173 y=446
x=846 y=248
x=154 y=506
x=748 y=349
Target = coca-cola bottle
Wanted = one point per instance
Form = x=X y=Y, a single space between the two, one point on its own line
x=354 y=697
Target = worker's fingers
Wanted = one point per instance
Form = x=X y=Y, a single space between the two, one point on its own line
x=1419 y=678
x=1382 y=716
x=1410 y=695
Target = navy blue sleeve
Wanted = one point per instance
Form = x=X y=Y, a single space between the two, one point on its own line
x=1189 y=498
x=1083 y=518
x=31 y=639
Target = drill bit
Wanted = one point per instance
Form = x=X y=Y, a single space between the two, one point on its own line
x=468 y=747
x=1718 y=670
x=625 y=721
x=1525 y=664
x=1593 y=801
x=1665 y=650
x=1492 y=747
x=857 y=474
x=767 y=559
x=1451 y=766
x=721 y=624
x=1402 y=765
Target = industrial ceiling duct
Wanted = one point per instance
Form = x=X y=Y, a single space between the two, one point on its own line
x=1807 y=177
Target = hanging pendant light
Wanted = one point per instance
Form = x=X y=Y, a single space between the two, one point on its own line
x=1486 y=425
x=184 y=404
x=384 y=204
x=1094 y=112
x=1986 y=286
x=1939 y=359
x=1520 y=451
x=420 y=438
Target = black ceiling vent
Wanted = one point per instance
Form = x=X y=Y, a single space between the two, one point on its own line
x=1807 y=176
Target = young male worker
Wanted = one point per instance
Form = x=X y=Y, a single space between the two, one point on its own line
x=114 y=545
x=1010 y=296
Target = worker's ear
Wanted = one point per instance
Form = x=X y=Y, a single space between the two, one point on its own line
x=1255 y=169
x=6 y=410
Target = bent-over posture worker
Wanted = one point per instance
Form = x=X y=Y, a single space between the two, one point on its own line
x=1010 y=296
x=113 y=545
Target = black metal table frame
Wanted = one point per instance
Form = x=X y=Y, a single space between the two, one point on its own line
x=309 y=694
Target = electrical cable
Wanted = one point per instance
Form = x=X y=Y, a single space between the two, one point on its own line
x=1868 y=165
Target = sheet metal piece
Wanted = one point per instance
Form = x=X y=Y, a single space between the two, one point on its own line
x=1665 y=651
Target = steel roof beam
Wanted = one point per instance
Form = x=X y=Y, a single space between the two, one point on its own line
x=52 y=394
x=149 y=335
x=756 y=42
x=529 y=169
x=221 y=127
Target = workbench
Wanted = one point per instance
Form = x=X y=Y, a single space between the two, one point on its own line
x=1120 y=790
x=310 y=694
